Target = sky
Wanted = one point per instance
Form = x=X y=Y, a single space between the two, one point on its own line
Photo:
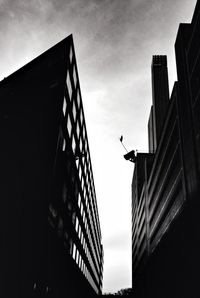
x=114 y=43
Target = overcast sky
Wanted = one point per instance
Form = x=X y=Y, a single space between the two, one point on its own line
x=114 y=42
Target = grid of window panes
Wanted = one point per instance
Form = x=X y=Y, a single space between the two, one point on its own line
x=86 y=248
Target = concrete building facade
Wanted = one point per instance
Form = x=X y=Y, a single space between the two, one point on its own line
x=166 y=185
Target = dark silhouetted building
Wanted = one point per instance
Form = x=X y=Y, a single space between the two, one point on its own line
x=160 y=98
x=166 y=184
x=50 y=232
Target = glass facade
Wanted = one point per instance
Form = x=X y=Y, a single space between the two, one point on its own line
x=45 y=157
x=81 y=234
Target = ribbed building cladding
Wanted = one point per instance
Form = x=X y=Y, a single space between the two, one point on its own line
x=51 y=236
x=166 y=185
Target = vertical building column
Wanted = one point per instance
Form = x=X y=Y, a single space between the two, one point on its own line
x=151 y=137
x=160 y=96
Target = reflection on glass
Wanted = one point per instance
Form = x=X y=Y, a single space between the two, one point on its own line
x=64 y=106
x=69 y=126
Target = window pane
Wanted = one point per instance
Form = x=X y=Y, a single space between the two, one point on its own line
x=76 y=226
x=64 y=106
x=74 y=251
x=69 y=86
x=78 y=99
x=77 y=129
x=73 y=144
x=74 y=111
x=75 y=77
x=69 y=126
x=81 y=117
x=70 y=55
x=64 y=145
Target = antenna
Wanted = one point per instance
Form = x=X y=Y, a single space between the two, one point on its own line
x=131 y=156
x=121 y=140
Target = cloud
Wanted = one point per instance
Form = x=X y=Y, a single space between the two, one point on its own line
x=118 y=241
x=117 y=277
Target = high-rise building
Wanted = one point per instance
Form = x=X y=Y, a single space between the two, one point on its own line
x=50 y=230
x=166 y=184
